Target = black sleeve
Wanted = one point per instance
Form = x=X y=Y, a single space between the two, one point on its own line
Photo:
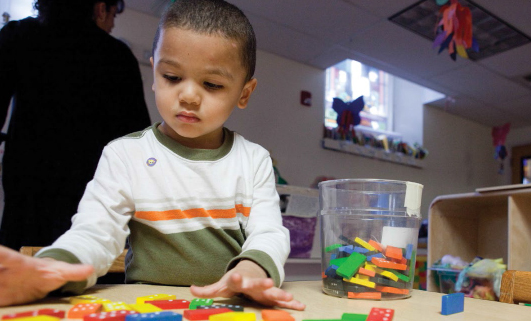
x=7 y=65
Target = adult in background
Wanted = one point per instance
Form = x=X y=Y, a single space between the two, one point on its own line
x=74 y=88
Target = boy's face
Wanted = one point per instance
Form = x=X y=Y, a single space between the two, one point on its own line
x=198 y=80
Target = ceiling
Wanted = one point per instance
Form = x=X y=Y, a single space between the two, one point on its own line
x=491 y=91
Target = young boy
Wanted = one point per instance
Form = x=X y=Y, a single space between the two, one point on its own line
x=197 y=201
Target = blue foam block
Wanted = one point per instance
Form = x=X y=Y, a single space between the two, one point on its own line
x=453 y=303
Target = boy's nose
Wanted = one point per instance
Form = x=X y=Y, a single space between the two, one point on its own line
x=189 y=94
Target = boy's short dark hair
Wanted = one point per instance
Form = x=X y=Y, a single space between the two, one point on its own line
x=212 y=17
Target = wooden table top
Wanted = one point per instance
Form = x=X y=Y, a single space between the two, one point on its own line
x=421 y=305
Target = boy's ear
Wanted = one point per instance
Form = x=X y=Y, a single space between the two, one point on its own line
x=152 y=68
x=100 y=11
x=247 y=90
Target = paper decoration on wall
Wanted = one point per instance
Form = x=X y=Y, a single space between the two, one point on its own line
x=454 y=30
x=498 y=140
x=348 y=114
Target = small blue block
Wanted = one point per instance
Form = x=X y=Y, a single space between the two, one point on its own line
x=369 y=258
x=347 y=249
x=361 y=250
x=453 y=303
x=333 y=256
x=331 y=271
x=155 y=316
x=409 y=250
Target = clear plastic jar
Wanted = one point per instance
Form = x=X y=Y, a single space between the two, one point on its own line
x=369 y=234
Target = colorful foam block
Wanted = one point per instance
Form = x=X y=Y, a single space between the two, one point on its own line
x=390 y=289
x=232 y=307
x=409 y=251
x=144 y=307
x=233 y=316
x=87 y=299
x=203 y=314
x=353 y=317
x=376 y=245
x=351 y=265
x=388 y=264
x=170 y=304
x=108 y=316
x=380 y=314
x=364 y=295
x=276 y=315
x=79 y=310
x=155 y=316
x=50 y=312
x=196 y=302
x=453 y=303
x=332 y=247
x=115 y=306
x=359 y=281
x=160 y=296
x=393 y=252
x=364 y=244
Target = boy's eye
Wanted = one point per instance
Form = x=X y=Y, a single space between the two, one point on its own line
x=171 y=78
x=210 y=85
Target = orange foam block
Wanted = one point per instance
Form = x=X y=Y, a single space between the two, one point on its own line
x=364 y=271
x=365 y=295
x=388 y=264
x=376 y=245
x=276 y=315
x=389 y=289
x=393 y=252
x=80 y=310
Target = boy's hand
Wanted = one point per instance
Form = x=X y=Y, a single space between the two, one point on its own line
x=24 y=279
x=249 y=279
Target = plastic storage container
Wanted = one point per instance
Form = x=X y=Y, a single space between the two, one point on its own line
x=445 y=279
x=369 y=234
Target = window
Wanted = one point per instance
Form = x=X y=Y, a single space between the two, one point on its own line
x=349 y=80
x=16 y=9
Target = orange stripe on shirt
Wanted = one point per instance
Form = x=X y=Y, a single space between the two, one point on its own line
x=191 y=213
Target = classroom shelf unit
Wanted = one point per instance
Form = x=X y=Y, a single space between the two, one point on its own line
x=490 y=223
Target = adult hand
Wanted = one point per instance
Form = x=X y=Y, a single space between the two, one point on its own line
x=249 y=279
x=25 y=279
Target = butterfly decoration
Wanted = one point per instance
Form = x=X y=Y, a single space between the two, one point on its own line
x=498 y=140
x=454 y=30
x=348 y=114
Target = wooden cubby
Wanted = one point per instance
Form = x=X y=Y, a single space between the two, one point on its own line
x=490 y=223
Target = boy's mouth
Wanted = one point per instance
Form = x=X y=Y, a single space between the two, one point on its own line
x=187 y=117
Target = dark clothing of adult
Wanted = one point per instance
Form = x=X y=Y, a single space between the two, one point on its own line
x=75 y=88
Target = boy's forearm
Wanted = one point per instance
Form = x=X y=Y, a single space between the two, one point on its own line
x=248 y=268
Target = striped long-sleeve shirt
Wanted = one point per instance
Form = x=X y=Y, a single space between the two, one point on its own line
x=190 y=214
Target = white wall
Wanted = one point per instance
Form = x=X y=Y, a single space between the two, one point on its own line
x=460 y=151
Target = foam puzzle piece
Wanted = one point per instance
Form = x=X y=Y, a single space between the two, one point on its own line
x=277 y=315
x=351 y=265
x=376 y=245
x=232 y=307
x=170 y=304
x=87 y=299
x=388 y=264
x=203 y=314
x=115 y=306
x=381 y=314
x=144 y=307
x=79 y=310
x=393 y=252
x=233 y=316
x=160 y=296
x=364 y=244
x=196 y=302
x=353 y=317
x=155 y=316
x=365 y=295
x=453 y=303
x=50 y=312
x=108 y=316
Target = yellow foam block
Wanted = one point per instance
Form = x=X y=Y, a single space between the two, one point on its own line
x=359 y=281
x=370 y=266
x=387 y=274
x=87 y=299
x=116 y=306
x=362 y=277
x=143 y=299
x=364 y=244
x=233 y=316
x=144 y=307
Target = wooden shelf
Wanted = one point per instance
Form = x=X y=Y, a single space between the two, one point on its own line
x=371 y=152
x=490 y=225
